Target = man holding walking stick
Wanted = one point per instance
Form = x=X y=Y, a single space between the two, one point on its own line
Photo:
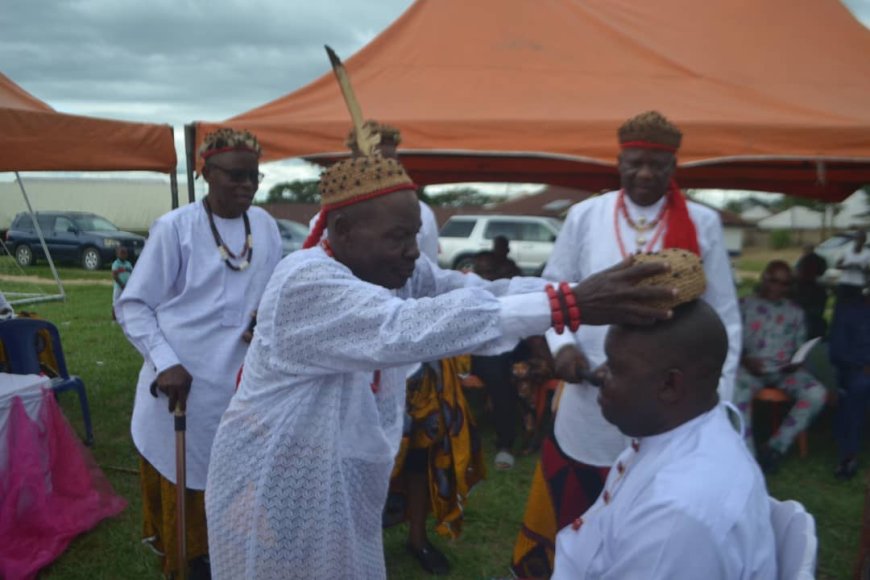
x=186 y=308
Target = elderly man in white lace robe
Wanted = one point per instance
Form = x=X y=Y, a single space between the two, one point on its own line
x=302 y=458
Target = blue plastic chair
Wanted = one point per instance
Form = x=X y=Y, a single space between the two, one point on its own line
x=21 y=343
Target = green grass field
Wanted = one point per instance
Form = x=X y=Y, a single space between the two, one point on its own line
x=67 y=271
x=97 y=351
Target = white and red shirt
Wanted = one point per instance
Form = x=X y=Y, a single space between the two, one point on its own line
x=686 y=504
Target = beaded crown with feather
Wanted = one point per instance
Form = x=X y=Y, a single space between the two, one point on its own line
x=362 y=177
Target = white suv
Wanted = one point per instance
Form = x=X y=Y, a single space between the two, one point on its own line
x=531 y=239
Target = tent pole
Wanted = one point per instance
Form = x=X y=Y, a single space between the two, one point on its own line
x=189 y=144
x=41 y=237
x=173 y=177
x=173 y=188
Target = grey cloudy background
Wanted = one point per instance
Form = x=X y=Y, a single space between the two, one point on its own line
x=178 y=60
x=175 y=61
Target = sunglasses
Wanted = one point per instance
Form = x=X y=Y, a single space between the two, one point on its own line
x=240 y=175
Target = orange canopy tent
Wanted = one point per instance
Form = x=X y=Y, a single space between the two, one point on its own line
x=771 y=94
x=35 y=137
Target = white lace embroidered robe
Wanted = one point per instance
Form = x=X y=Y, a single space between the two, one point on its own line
x=302 y=458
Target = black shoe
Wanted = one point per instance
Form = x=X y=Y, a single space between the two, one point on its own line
x=394 y=511
x=769 y=460
x=200 y=569
x=197 y=569
x=847 y=469
x=431 y=559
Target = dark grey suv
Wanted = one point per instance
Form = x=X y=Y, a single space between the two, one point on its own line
x=71 y=236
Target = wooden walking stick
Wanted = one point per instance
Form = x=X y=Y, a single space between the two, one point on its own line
x=180 y=486
x=180 y=483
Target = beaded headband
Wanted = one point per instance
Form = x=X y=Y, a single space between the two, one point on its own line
x=650 y=130
x=647 y=145
x=224 y=140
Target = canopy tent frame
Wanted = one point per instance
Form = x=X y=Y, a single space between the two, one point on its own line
x=19 y=298
x=190 y=159
x=35 y=137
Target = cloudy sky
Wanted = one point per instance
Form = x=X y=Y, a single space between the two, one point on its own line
x=175 y=61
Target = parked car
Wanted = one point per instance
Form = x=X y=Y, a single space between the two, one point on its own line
x=831 y=250
x=531 y=239
x=71 y=236
x=293 y=235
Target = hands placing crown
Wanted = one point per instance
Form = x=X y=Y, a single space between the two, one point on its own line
x=641 y=289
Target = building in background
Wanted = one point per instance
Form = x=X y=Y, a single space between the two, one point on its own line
x=131 y=204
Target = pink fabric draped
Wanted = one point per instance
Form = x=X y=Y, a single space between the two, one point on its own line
x=51 y=490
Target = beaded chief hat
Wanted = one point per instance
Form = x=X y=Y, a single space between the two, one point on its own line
x=361 y=178
x=226 y=139
x=686 y=275
x=365 y=176
x=650 y=130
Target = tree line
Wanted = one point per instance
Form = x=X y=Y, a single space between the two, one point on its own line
x=788 y=201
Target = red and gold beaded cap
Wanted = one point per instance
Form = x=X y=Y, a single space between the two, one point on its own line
x=361 y=178
x=650 y=130
x=226 y=139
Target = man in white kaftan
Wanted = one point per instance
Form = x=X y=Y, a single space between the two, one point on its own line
x=648 y=214
x=588 y=244
x=302 y=458
x=690 y=503
x=183 y=306
x=186 y=308
x=686 y=499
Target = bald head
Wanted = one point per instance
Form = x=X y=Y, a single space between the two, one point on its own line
x=660 y=376
x=694 y=341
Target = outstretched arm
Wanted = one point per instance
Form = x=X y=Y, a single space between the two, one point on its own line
x=612 y=296
x=342 y=323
